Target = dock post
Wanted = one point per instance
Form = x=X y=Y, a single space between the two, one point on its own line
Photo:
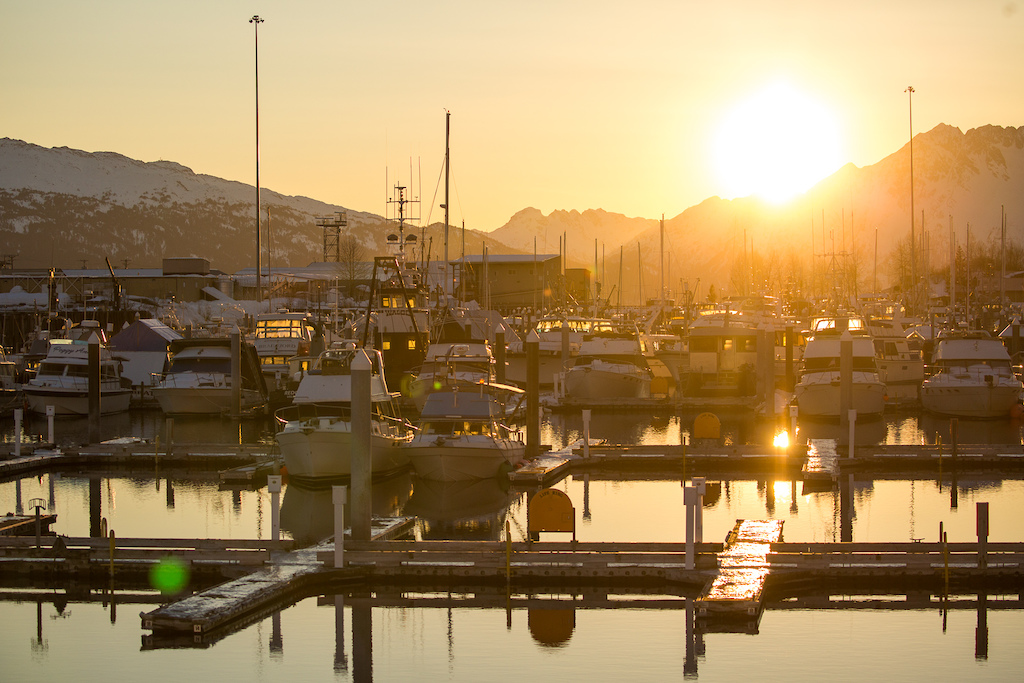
x=852 y=419
x=954 y=437
x=982 y=535
x=532 y=394
x=566 y=350
x=790 y=374
x=340 y=658
x=18 y=416
x=51 y=438
x=339 y=495
x=499 y=356
x=845 y=380
x=94 y=388
x=700 y=484
x=168 y=433
x=236 y=372
x=586 y=432
x=690 y=501
x=794 y=411
x=361 y=447
x=274 y=486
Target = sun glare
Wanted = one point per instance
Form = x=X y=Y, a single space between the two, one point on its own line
x=775 y=144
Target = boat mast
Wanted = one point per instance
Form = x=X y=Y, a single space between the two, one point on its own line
x=256 y=21
x=447 y=168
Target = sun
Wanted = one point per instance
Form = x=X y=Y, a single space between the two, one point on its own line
x=776 y=144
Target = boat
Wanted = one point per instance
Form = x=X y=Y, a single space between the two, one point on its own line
x=899 y=367
x=461 y=437
x=316 y=435
x=818 y=393
x=971 y=377
x=62 y=381
x=278 y=338
x=559 y=342
x=610 y=365
x=198 y=378
x=452 y=364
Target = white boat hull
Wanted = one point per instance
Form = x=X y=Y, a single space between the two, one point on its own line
x=322 y=449
x=586 y=382
x=202 y=400
x=969 y=400
x=463 y=458
x=820 y=396
x=73 y=402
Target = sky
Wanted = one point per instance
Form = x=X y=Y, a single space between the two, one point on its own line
x=642 y=108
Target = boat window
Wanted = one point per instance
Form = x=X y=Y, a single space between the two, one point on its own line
x=411 y=344
x=50 y=368
x=703 y=344
x=441 y=428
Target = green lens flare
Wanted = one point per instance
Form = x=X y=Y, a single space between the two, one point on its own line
x=169 y=575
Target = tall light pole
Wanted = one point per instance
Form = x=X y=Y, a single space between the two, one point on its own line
x=256 y=21
x=913 y=256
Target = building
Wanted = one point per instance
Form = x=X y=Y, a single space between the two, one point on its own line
x=506 y=281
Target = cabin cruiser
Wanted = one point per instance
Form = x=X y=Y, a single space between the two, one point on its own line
x=461 y=437
x=818 y=392
x=447 y=365
x=971 y=377
x=609 y=365
x=559 y=342
x=899 y=367
x=316 y=436
x=278 y=338
x=198 y=379
x=62 y=381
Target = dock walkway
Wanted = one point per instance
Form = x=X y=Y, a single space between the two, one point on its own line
x=738 y=588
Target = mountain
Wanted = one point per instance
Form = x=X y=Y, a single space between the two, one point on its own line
x=63 y=206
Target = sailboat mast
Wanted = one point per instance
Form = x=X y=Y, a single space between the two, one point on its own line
x=447 y=167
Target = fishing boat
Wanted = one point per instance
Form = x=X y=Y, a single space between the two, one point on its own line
x=559 y=342
x=448 y=365
x=461 y=437
x=818 y=393
x=971 y=377
x=198 y=378
x=316 y=436
x=610 y=365
x=278 y=338
x=62 y=381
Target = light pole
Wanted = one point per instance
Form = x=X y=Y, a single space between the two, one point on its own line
x=256 y=21
x=913 y=256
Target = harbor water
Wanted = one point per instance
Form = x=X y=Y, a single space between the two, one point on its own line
x=392 y=634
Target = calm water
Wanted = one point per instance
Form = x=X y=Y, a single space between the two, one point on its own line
x=460 y=637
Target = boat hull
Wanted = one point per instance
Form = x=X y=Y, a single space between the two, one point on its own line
x=71 y=402
x=203 y=400
x=821 y=397
x=972 y=401
x=586 y=382
x=323 y=450
x=462 y=459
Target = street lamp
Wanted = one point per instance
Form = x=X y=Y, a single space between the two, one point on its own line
x=256 y=21
x=913 y=256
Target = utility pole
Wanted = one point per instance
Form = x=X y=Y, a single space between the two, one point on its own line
x=256 y=21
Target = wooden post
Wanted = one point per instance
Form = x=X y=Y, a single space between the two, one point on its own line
x=586 y=432
x=94 y=388
x=532 y=394
x=18 y=416
x=113 y=544
x=852 y=419
x=690 y=501
x=982 y=535
x=236 y=372
x=274 y=486
x=339 y=495
x=700 y=484
x=845 y=380
x=361 y=447
x=508 y=554
x=499 y=356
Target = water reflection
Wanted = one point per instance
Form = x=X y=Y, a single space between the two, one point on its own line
x=470 y=510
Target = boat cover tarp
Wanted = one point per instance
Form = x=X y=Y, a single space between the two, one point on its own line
x=144 y=335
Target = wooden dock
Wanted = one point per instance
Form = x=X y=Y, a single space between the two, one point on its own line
x=283 y=576
x=738 y=588
x=25 y=525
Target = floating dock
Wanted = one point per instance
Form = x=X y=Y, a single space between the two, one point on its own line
x=738 y=588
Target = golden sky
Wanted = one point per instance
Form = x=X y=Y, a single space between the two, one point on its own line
x=625 y=106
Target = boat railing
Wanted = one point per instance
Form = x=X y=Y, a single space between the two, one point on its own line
x=310 y=411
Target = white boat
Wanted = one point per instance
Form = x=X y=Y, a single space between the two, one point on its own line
x=278 y=338
x=609 y=365
x=899 y=367
x=316 y=436
x=550 y=331
x=461 y=437
x=818 y=392
x=198 y=378
x=62 y=381
x=972 y=377
x=452 y=364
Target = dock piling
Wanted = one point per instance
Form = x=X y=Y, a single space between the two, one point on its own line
x=586 y=432
x=361 y=444
x=532 y=394
x=982 y=512
x=700 y=484
x=51 y=437
x=499 y=356
x=690 y=501
x=236 y=372
x=18 y=416
x=94 y=388
x=339 y=496
x=274 y=486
